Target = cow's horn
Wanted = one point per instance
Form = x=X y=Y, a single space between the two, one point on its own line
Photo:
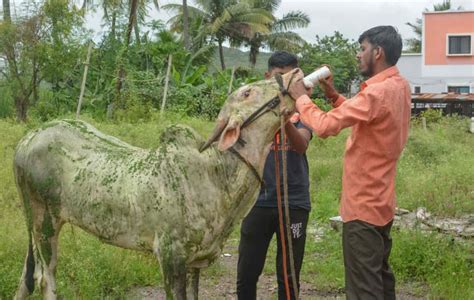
x=215 y=134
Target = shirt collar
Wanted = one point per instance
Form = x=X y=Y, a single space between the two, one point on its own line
x=389 y=72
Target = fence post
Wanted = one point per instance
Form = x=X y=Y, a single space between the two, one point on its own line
x=423 y=121
x=472 y=125
x=83 y=84
x=165 y=92
x=231 y=80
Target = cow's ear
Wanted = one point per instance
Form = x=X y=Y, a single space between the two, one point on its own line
x=230 y=135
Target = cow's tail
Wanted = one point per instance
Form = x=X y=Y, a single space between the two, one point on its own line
x=30 y=269
x=27 y=282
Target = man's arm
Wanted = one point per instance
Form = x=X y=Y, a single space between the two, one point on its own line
x=364 y=107
x=298 y=137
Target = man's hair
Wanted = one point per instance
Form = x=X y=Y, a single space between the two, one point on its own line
x=386 y=37
x=282 y=59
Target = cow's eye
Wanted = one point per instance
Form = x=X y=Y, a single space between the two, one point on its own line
x=246 y=93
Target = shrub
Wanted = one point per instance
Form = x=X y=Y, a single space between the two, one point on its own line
x=6 y=102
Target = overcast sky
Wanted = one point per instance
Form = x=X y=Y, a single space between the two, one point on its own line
x=350 y=17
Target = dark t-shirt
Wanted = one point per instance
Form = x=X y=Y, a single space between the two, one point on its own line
x=298 y=179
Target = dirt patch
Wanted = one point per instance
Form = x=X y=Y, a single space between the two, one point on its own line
x=218 y=282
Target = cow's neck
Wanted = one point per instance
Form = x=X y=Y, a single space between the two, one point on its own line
x=255 y=152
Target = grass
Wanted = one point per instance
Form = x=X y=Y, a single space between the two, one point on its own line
x=435 y=171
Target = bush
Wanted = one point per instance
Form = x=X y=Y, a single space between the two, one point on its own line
x=6 y=102
x=432 y=115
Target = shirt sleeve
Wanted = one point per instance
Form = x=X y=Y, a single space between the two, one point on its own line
x=339 y=101
x=364 y=107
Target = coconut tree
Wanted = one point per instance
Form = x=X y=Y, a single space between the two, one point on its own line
x=187 y=44
x=279 y=36
x=222 y=20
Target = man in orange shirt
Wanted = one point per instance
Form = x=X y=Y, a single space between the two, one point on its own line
x=379 y=116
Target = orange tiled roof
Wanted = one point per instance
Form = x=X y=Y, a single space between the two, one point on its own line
x=443 y=96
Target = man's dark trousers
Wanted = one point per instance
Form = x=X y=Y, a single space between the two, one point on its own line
x=366 y=249
x=256 y=232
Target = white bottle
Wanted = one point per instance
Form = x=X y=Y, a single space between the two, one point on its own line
x=313 y=78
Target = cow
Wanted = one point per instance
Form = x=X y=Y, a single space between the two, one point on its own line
x=179 y=201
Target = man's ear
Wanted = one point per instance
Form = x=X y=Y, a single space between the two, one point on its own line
x=380 y=53
x=267 y=75
x=230 y=135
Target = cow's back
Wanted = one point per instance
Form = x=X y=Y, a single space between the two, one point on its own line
x=123 y=194
x=84 y=177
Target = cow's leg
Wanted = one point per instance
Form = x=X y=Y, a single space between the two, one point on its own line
x=175 y=280
x=172 y=263
x=192 y=288
x=41 y=259
x=45 y=234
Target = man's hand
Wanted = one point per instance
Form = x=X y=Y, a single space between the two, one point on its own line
x=327 y=85
x=297 y=88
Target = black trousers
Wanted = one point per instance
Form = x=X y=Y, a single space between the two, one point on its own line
x=256 y=233
x=366 y=250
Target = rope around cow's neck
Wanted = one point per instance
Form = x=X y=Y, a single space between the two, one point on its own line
x=287 y=210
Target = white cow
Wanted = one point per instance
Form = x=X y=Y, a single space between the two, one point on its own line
x=175 y=200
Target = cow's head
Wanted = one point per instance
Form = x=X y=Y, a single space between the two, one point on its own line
x=253 y=112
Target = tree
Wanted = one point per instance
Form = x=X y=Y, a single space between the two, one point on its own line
x=6 y=11
x=279 y=37
x=414 y=44
x=187 y=44
x=223 y=20
x=336 y=51
x=39 y=47
x=19 y=65
x=122 y=56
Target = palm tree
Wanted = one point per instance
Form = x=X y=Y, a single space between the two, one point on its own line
x=187 y=45
x=222 y=20
x=137 y=10
x=279 y=37
x=414 y=44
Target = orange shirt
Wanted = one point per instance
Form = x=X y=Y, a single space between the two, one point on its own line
x=379 y=115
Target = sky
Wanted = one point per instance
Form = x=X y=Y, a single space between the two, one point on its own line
x=349 y=17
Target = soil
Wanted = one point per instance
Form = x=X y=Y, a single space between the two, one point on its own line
x=222 y=285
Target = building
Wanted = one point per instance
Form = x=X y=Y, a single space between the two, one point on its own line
x=446 y=62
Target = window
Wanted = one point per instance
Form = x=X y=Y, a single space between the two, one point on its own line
x=459 y=45
x=417 y=89
x=458 y=89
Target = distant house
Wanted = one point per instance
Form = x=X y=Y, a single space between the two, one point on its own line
x=446 y=62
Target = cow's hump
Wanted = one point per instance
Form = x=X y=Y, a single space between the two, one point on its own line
x=181 y=135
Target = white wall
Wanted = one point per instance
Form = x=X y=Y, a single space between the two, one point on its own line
x=434 y=79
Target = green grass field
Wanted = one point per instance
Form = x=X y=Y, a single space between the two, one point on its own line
x=435 y=171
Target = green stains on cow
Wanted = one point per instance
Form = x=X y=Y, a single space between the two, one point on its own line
x=108 y=179
x=49 y=124
x=80 y=175
x=179 y=135
x=172 y=261
x=49 y=190
x=195 y=238
x=79 y=125
x=25 y=196
x=136 y=166
x=47 y=231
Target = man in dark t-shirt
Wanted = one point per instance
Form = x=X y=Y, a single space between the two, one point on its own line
x=262 y=222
